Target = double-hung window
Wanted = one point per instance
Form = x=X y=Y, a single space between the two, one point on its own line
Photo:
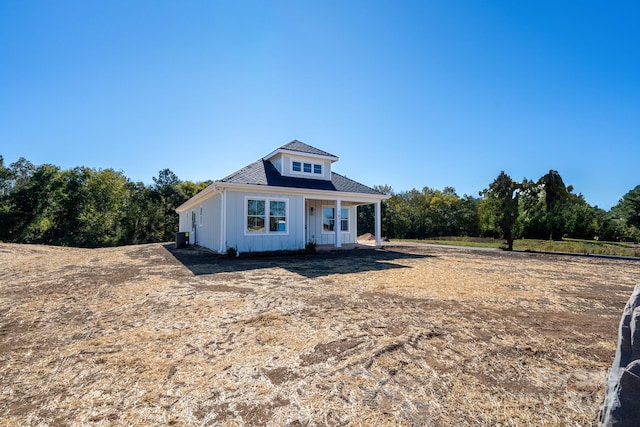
x=277 y=216
x=255 y=216
x=329 y=219
x=266 y=216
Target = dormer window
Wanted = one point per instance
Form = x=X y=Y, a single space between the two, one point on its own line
x=306 y=168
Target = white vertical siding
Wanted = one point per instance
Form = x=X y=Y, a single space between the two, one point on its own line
x=326 y=171
x=277 y=162
x=184 y=222
x=236 y=223
x=207 y=233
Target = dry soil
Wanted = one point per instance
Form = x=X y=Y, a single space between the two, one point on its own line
x=413 y=335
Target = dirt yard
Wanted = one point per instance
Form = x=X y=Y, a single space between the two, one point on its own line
x=413 y=335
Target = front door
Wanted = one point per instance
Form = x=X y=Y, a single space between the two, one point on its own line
x=310 y=225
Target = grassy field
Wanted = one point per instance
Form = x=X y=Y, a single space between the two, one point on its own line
x=575 y=246
x=404 y=335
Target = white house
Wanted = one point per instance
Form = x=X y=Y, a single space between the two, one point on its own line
x=280 y=202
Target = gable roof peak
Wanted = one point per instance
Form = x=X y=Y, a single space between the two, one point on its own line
x=302 y=148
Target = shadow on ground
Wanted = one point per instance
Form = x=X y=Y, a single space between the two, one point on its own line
x=200 y=261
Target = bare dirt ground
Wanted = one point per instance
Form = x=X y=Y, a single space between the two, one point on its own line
x=411 y=335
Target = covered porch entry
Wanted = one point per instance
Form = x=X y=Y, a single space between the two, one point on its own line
x=334 y=223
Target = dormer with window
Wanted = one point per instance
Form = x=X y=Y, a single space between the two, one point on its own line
x=299 y=160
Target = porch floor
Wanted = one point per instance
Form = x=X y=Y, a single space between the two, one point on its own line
x=347 y=246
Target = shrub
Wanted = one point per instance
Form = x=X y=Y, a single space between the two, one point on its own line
x=311 y=246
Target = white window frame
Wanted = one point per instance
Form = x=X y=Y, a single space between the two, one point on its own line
x=347 y=231
x=312 y=171
x=267 y=215
x=201 y=216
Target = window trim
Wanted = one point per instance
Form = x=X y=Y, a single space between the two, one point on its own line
x=348 y=219
x=312 y=168
x=267 y=216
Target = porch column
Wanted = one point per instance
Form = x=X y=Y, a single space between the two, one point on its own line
x=337 y=223
x=378 y=220
x=304 y=222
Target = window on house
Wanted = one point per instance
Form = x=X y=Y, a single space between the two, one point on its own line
x=329 y=220
x=277 y=216
x=344 y=221
x=201 y=215
x=255 y=216
x=306 y=168
x=259 y=211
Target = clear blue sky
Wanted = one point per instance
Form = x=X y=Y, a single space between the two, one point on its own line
x=407 y=93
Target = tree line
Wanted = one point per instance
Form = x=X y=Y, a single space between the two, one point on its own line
x=507 y=209
x=87 y=207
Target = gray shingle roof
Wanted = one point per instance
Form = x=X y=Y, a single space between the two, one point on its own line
x=301 y=147
x=262 y=172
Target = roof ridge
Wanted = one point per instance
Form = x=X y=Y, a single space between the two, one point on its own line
x=297 y=145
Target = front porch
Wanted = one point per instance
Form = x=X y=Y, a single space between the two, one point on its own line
x=333 y=224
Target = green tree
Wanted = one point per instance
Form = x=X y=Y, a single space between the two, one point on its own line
x=190 y=189
x=23 y=170
x=555 y=197
x=580 y=220
x=168 y=194
x=366 y=213
x=106 y=194
x=629 y=207
x=32 y=218
x=627 y=213
x=487 y=216
x=531 y=218
x=503 y=194
x=6 y=179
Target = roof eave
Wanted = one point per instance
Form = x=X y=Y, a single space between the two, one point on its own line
x=200 y=197
x=274 y=153
x=330 y=194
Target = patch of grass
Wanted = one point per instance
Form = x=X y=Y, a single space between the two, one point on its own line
x=568 y=245
x=478 y=242
x=576 y=246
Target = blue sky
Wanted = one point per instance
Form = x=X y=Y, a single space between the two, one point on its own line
x=410 y=94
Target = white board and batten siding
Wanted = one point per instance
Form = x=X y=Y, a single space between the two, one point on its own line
x=237 y=235
x=207 y=223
